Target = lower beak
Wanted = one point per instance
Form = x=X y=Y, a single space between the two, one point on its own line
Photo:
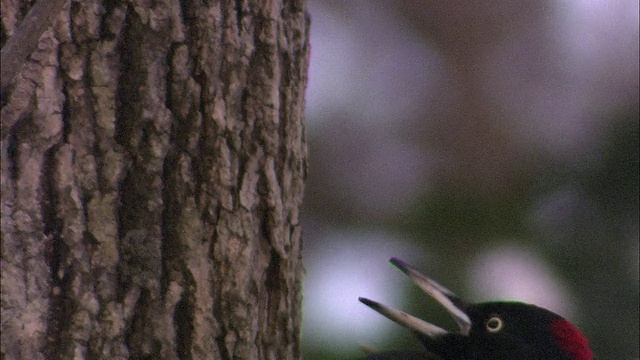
x=451 y=302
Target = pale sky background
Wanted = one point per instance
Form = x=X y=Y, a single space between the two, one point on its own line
x=376 y=77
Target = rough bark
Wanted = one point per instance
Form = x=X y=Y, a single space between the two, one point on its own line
x=153 y=159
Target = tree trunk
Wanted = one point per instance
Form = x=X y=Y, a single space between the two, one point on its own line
x=153 y=159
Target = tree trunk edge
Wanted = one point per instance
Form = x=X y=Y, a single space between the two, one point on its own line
x=152 y=183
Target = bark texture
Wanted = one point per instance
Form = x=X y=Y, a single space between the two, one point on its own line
x=153 y=159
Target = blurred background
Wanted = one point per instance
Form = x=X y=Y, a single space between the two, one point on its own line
x=492 y=144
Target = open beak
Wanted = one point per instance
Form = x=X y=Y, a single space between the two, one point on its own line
x=451 y=302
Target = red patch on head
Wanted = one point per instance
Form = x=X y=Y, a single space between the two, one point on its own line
x=571 y=340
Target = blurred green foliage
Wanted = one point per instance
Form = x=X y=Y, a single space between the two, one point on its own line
x=593 y=245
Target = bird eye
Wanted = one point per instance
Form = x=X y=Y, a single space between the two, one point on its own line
x=494 y=324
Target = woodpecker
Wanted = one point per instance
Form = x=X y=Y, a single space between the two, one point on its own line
x=499 y=330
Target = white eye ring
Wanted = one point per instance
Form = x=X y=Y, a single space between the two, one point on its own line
x=494 y=324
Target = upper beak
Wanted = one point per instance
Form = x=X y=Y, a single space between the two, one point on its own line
x=451 y=302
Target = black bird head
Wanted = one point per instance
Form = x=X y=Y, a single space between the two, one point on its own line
x=491 y=330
